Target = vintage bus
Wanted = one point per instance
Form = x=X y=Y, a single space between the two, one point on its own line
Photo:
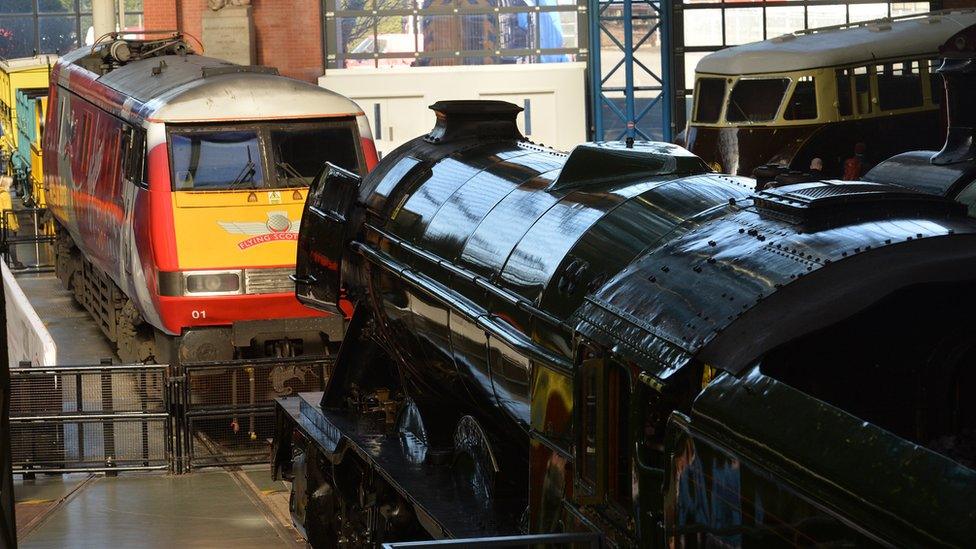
x=820 y=92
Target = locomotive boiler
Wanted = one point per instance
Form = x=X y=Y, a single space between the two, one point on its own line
x=177 y=183
x=620 y=341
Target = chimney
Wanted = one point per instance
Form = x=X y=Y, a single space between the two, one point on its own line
x=959 y=71
x=467 y=119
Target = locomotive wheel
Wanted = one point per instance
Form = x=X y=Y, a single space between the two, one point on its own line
x=475 y=466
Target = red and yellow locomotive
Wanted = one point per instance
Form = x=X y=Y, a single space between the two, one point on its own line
x=177 y=183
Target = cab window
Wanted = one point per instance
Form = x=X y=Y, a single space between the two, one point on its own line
x=604 y=459
x=756 y=100
x=803 y=103
x=899 y=85
x=300 y=149
x=219 y=159
x=710 y=93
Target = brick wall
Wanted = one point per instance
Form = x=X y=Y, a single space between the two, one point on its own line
x=288 y=33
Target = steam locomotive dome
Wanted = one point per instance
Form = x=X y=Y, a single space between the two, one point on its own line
x=643 y=250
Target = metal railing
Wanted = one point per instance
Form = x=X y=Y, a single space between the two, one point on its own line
x=104 y=418
x=27 y=240
x=226 y=408
x=581 y=540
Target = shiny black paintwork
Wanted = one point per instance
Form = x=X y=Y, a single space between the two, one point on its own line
x=490 y=268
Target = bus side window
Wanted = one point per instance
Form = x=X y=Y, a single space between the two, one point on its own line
x=862 y=89
x=899 y=85
x=844 y=91
x=936 y=82
x=803 y=102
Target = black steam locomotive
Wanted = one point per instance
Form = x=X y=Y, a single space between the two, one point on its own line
x=619 y=341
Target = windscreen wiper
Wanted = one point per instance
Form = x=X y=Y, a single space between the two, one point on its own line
x=247 y=172
x=289 y=169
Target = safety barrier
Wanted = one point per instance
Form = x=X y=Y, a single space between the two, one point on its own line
x=106 y=418
x=27 y=240
x=226 y=408
x=27 y=338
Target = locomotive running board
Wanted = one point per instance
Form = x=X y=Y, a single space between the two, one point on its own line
x=443 y=509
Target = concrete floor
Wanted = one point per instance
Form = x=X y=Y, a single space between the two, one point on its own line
x=78 y=339
x=234 y=507
x=212 y=508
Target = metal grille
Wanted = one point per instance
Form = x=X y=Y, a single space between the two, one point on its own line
x=269 y=281
x=91 y=418
x=231 y=439
x=229 y=405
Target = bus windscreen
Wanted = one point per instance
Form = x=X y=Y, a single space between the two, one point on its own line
x=756 y=100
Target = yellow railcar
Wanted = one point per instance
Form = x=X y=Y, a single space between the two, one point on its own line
x=22 y=75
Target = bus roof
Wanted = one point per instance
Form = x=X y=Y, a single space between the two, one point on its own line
x=864 y=42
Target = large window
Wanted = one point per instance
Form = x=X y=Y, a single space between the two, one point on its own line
x=711 y=93
x=259 y=156
x=396 y=33
x=212 y=160
x=756 y=100
x=52 y=26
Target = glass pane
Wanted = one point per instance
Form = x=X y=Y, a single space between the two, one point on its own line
x=803 y=102
x=133 y=21
x=709 y=92
x=565 y=23
x=826 y=16
x=691 y=62
x=908 y=8
x=53 y=6
x=59 y=34
x=216 y=160
x=703 y=27
x=133 y=5
x=85 y=5
x=441 y=32
x=16 y=6
x=743 y=25
x=899 y=85
x=355 y=35
x=301 y=150
x=395 y=35
x=867 y=12
x=756 y=100
x=17 y=37
x=780 y=21
x=518 y=30
x=354 y=5
x=87 y=30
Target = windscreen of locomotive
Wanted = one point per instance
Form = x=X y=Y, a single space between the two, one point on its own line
x=230 y=159
x=300 y=151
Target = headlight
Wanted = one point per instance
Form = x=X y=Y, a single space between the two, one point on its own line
x=200 y=283
x=212 y=283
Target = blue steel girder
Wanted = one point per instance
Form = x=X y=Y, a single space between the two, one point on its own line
x=609 y=111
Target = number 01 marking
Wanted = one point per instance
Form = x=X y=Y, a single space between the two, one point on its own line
x=198 y=314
